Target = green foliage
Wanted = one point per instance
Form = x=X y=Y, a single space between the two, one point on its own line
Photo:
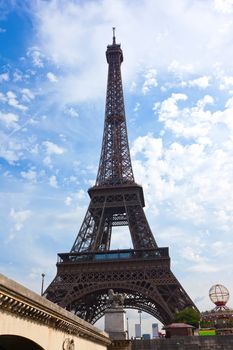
x=207 y=324
x=189 y=316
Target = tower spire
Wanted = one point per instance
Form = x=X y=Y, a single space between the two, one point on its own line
x=113 y=38
x=115 y=166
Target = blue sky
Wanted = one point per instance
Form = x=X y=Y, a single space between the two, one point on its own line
x=178 y=86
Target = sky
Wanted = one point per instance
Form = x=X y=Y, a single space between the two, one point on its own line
x=178 y=88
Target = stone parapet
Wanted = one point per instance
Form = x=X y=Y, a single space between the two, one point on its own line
x=22 y=302
x=185 y=343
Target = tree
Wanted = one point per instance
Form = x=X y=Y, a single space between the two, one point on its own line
x=189 y=316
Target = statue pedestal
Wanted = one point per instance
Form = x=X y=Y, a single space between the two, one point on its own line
x=115 y=323
x=120 y=345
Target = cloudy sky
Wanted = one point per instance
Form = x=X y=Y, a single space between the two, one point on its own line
x=178 y=87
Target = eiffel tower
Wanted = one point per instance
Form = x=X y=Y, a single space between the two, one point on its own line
x=91 y=268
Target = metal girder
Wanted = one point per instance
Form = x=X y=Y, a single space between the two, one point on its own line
x=82 y=284
x=117 y=207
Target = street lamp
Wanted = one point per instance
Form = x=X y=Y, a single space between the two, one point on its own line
x=42 y=283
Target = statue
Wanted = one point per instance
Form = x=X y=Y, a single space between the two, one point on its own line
x=116 y=299
x=68 y=344
x=115 y=316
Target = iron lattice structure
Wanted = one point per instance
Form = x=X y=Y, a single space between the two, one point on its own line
x=143 y=273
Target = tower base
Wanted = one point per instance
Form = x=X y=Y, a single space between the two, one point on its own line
x=144 y=276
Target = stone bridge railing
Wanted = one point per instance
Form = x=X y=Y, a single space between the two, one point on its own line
x=38 y=313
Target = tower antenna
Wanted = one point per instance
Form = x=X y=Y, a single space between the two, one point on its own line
x=113 y=32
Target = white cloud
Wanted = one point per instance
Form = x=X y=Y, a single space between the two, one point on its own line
x=12 y=101
x=52 y=148
x=183 y=175
x=150 y=80
x=68 y=201
x=27 y=95
x=17 y=75
x=36 y=55
x=180 y=68
x=76 y=197
x=121 y=238
x=9 y=120
x=195 y=122
x=71 y=34
x=205 y=267
x=47 y=161
x=181 y=80
x=190 y=181
x=133 y=86
x=30 y=175
x=52 y=77
x=11 y=151
x=4 y=77
x=53 y=181
x=19 y=217
x=137 y=107
x=221 y=248
x=9 y=155
x=3 y=97
x=71 y=112
x=189 y=253
x=11 y=94
x=206 y=100
x=201 y=82
x=73 y=178
x=168 y=108
x=149 y=145
x=224 y=6
x=226 y=82
x=81 y=194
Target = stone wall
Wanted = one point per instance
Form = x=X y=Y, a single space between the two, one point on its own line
x=186 y=343
x=28 y=317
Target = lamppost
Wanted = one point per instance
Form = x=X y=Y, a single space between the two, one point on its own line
x=42 y=283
